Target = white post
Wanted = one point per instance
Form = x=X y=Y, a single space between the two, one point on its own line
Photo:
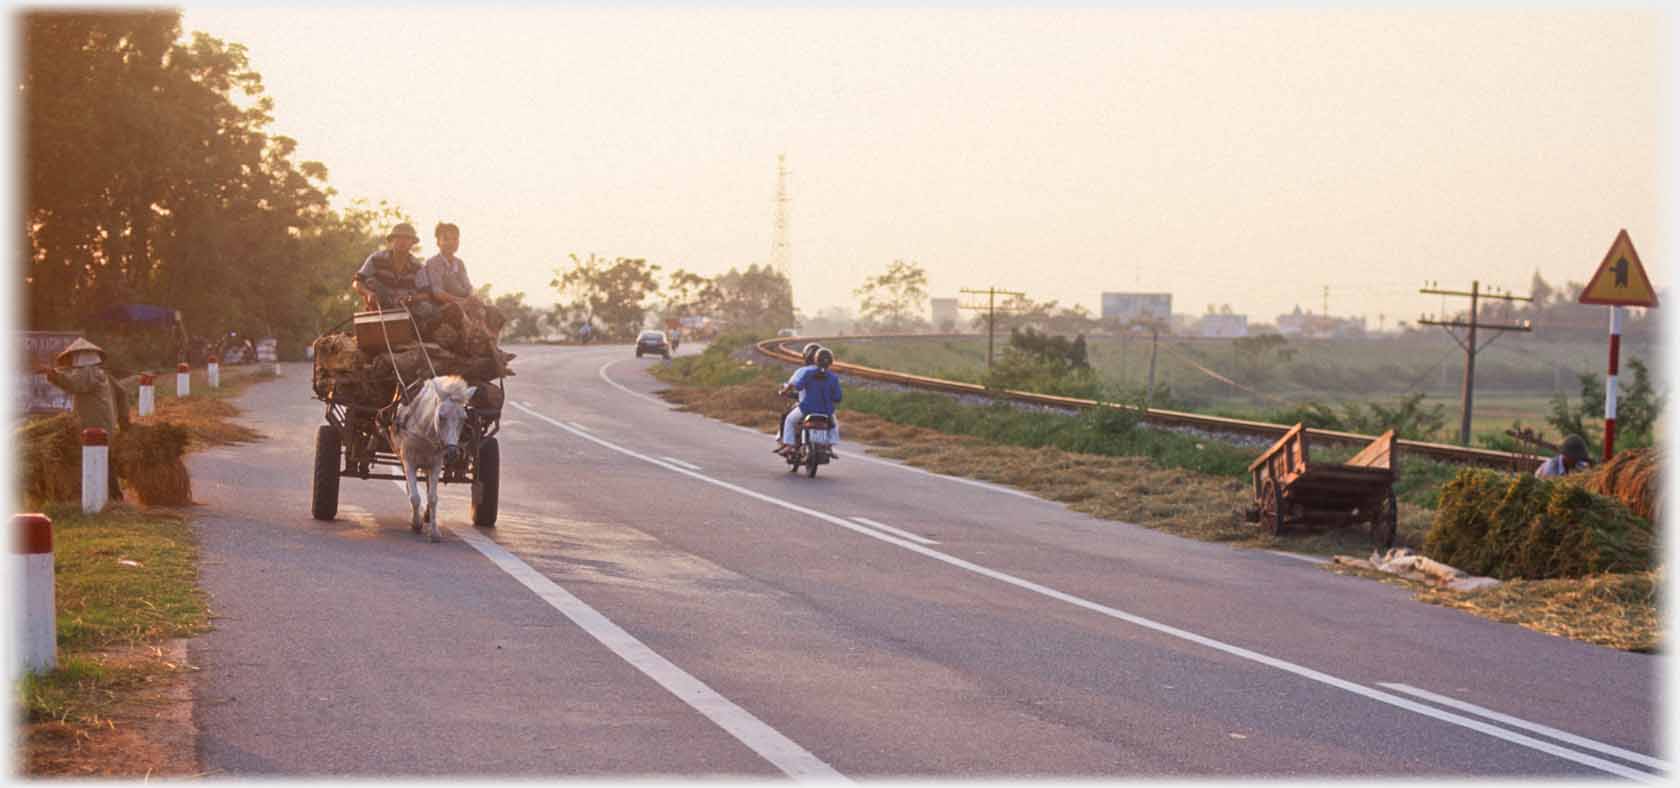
x=213 y=372
x=183 y=380
x=148 y=395
x=96 y=457
x=277 y=367
x=37 y=624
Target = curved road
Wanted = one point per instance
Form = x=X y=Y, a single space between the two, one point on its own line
x=661 y=598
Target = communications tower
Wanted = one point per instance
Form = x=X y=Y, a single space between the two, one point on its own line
x=781 y=256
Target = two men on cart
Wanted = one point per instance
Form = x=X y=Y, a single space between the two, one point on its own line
x=437 y=293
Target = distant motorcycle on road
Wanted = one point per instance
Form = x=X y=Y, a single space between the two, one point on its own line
x=812 y=447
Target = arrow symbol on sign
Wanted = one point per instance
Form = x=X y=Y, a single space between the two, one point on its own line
x=1621 y=272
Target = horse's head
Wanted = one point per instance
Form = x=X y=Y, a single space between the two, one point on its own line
x=453 y=393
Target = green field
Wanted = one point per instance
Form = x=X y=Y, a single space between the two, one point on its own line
x=1515 y=376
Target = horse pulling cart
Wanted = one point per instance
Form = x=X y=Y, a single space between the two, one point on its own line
x=360 y=377
x=1287 y=488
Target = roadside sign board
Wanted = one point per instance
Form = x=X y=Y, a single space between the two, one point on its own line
x=35 y=394
x=1620 y=279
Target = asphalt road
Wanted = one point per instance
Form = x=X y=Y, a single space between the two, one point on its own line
x=661 y=598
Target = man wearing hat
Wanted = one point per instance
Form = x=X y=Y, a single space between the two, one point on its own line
x=386 y=278
x=1573 y=458
x=96 y=399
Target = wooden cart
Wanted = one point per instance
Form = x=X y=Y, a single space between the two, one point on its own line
x=1288 y=488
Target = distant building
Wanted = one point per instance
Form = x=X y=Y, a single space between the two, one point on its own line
x=945 y=310
x=1311 y=326
x=1218 y=325
x=1132 y=306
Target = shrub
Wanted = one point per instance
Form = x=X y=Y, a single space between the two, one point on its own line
x=1504 y=526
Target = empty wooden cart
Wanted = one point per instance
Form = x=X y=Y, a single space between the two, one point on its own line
x=1290 y=489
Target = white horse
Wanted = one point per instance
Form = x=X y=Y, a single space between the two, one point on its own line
x=427 y=431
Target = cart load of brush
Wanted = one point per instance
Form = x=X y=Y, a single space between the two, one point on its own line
x=366 y=367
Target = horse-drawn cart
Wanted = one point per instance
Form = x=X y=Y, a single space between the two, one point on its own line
x=359 y=378
x=1287 y=488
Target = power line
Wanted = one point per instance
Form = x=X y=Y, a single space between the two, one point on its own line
x=1469 y=343
x=991 y=294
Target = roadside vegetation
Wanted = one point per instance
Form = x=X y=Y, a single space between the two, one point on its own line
x=1106 y=464
x=126 y=592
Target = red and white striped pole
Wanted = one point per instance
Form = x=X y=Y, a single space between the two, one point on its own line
x=183 y=380
x=37 y=625
x=1610 y=383
x=213 y=372
x=148 y=394
x=96 y=458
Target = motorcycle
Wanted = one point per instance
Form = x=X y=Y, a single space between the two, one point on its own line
x=811 y=447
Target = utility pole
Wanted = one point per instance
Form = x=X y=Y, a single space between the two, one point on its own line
x=1469 y=344
x=991 y=294
x=1326 y=312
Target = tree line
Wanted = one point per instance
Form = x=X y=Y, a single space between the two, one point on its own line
x=151 y=176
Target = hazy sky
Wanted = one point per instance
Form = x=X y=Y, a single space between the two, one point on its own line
x=1241 y=157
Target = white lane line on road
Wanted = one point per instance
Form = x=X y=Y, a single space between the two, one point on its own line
x=1166 y=629
x=971 y=482
x=580 y=426
x=1563 y=736
x=689 y=465
x=779 y=750
x=602 y=372
x=1297 y=556
x=891 y=530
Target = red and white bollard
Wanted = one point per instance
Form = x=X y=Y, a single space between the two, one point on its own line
x=183 y=380
x=213 y=373
x=37 y=624
x=148 y=394
x=277 y=367
x=96 y=458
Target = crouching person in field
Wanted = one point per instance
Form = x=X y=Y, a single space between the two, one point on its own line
x=819 y=392
x=96 y=399
x=1573 y=459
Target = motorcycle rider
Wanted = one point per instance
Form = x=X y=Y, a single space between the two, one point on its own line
x=808 y=355
x=819 y=392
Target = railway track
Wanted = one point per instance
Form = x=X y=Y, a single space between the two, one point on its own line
x=786 y=349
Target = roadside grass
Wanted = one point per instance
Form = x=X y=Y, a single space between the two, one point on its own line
x=126 y=586
x=1179 y=484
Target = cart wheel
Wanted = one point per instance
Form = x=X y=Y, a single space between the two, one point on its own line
x=323 y=499
x=1272 y=520
x=486 y=484
x=1387 y=525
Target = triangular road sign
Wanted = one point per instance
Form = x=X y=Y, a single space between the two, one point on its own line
x=1621 y=279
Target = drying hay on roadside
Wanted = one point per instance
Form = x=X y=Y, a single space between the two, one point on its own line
x=50 y=459
x=148 y=459
x=1633 y=477
x=1504 y=526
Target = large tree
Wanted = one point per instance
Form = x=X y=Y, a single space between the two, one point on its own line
x=755 y=300
x=893 y=301
x=150 y=176
x=614 y=293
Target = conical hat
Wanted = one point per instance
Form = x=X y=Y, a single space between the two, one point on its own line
x=65 y=356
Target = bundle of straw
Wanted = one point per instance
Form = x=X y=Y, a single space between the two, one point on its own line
x=148 y=458
x=51 y=459
x=1632 y=477
x=1504 y=526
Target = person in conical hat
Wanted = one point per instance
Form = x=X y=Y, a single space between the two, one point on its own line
x=95 y=397
x=386 y=279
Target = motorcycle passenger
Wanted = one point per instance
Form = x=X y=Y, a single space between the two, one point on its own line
x=819 y=392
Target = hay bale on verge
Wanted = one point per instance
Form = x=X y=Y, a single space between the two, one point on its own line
x=50 y=459
x=1633 y=477
x=148 y=458
x=1507 y=527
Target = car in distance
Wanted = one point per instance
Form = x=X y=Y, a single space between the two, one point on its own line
x=653 y=342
